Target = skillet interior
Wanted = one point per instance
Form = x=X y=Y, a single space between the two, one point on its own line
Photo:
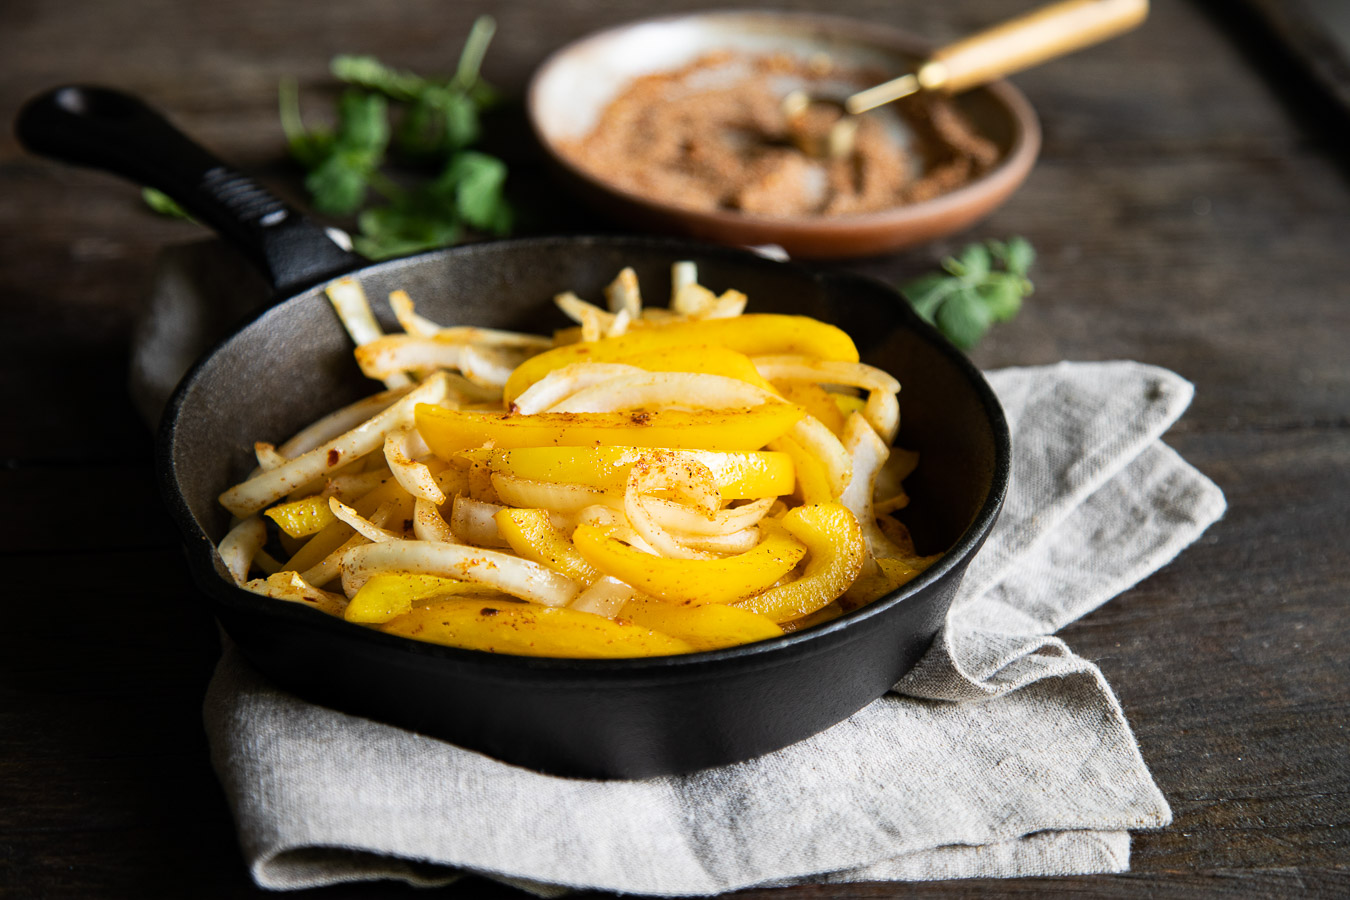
x=601 y=718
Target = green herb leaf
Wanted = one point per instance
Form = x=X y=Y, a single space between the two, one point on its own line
x=338 y=185
x=973 y=294
x=974 y=263
x=927 y=293
x=963 y=318
x=163 y=204
x=1018 y=257
x=1002 y=296
x=475 y=48
x=478 y=180
x=363 y=124
x=368 y=72
x=434 y=121
x=461 y=121
x=400 y=229
x=309 y=148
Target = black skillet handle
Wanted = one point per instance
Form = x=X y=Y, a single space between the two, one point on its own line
x=118 y=133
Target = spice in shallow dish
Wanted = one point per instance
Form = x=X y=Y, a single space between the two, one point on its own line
x=714 y=136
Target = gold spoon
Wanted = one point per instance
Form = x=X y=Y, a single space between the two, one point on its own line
x=1028 y=40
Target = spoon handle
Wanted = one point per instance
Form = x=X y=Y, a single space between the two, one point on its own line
x=1042 y=34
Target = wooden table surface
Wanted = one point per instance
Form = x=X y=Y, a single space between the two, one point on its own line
x=1191 y=209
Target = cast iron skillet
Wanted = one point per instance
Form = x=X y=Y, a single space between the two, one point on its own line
x=590 y=718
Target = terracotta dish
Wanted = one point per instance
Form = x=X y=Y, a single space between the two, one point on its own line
x=573 y=87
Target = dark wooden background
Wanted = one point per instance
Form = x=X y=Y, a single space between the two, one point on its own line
x=1191 y=210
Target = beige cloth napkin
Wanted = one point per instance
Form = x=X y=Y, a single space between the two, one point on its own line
x=1001 y=754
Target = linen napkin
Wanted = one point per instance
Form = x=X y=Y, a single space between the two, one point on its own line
x=1001 y=754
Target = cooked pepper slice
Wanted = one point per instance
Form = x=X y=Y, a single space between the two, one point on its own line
x=384 y=597
x=336 y=533
x=815 y=400
x=532 y=535
x=744 y=475
x=527 y=629
x=303 y=517
x=813 y=484
x=707 y=627
x=692 y=581
x=837 y=550
x=753 y=334
x=448 y=431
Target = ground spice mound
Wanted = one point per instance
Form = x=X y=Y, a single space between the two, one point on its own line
x=693 y=139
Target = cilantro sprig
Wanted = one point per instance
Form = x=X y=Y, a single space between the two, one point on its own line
x=442 y=187
x=162 y=203
x=971 y=293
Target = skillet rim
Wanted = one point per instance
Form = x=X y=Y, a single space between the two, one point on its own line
x=204 y=561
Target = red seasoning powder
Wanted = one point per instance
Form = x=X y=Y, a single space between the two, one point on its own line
x=691 y=139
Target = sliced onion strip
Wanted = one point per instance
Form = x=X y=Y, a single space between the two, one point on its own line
x=624 y=295
x=474 y=522
x=429 y=524
x=653 y=534
x=605 y=597
x=420 y=326
x=294 y=588
x=563 y=497
x=682 y=273
x=255 y=493
x=681 y=518
x=735 y=542
x=399 y=449
x=352 y=307
x=504 y=571
x=394 y=354
x=687 y=390
x=240 y=545
x=818 y=440
x=565 y=381
x=339 y=422
x=488 y=366
x=868 y=454
x=363 y=526
x=268 y=456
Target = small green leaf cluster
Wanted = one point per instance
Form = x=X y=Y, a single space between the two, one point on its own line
x=971 y=293
x=428 y=123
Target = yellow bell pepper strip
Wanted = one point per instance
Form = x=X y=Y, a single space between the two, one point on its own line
x=703 y=359
x=692 y=581
x=302 y=518
x=848 y=403
x=744 y=475
x=532 y=535
x=835 y=541
x=708 y=627
x=334 y=535
x=812 y=484
x=815 y=400
x=526 y=629
x=448 y=431
x=384 y=597
x=754 y=334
